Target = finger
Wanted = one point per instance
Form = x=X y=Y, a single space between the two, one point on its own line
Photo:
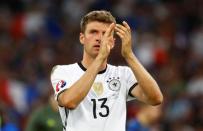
x=121 y=27
x=112 y=43
x=119 y=30
x=126 y=25
x=120 y=35
x=110 y=30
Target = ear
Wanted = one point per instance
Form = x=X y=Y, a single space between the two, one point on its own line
x=82 y=38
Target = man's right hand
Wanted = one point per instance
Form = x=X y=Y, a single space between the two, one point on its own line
x=107 y=42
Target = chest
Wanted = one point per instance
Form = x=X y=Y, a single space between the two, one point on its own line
x=107 y=87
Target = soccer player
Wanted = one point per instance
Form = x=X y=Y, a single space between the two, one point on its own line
x=92 y=94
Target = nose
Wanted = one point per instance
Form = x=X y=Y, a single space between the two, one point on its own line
x=99 y=37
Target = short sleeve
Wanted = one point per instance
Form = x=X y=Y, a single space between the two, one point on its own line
x=59 y=80
x=131 y=83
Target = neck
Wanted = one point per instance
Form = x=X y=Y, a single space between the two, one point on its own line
x=87 y=61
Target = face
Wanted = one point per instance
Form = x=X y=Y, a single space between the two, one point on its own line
x=92 y=36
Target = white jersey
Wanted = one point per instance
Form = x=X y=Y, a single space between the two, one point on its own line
x=104 y=107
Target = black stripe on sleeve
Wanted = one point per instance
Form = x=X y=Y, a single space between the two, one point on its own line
x=131 y=88
x=58 y=96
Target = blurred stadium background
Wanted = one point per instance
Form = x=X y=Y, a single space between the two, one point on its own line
x=35 y=35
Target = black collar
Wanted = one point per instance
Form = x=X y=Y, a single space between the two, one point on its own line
x=84 y=69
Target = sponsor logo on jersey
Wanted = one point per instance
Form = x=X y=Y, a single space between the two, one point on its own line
x=60 y=85
x=98 y=88
x=114 y=84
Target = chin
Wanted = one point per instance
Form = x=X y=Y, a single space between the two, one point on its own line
x=94 y=55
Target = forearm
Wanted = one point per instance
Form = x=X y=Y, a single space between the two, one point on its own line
x=78 y=91
x=149 y=86
x=148 y=90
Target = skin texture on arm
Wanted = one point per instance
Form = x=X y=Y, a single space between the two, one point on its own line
x=71 y=97
x=147 y=89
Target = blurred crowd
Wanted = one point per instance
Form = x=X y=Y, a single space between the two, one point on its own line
x=35 y=35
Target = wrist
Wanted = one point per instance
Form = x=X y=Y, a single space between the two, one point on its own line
x=99 y=63
x=128 y=55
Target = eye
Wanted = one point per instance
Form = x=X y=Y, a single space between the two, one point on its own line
x=93 y=31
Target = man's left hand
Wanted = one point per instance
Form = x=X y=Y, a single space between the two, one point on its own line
x=124 y=32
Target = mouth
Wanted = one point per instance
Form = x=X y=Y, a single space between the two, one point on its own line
x=97 y=46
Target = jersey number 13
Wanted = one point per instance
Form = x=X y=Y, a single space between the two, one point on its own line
x=105 y=107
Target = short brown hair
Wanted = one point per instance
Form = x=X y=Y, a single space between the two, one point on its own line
x=99 y=15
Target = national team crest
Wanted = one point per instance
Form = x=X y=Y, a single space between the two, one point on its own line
x=60 y=85
x=114 y=84
x=98 y=88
